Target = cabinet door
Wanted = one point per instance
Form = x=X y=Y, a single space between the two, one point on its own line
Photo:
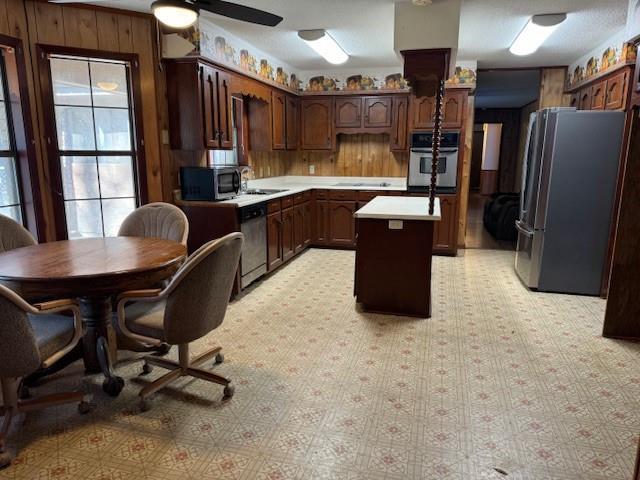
x=399 y=123
x=453 y=109
x=209 y=99
x=288 y=234
x=317 y=120
x=377 y=112
x=423 y=111
x=342 y=223
x=278 y=126
x=307 y=225
x=585 y=99
x=322 y=222
x=348 y=112
x=444 y=232
x=298 y=228
x=598 y=93
x=274 y=240
x=225 y=125
x=616 y=91
x=292 y=115
x=575 y=100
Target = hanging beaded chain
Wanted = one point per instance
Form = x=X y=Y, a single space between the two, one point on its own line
x=437 y=133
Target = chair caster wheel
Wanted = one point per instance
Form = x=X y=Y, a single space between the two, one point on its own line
x=145 y=405
x=219 y=359
x=163 y=349
x=86 y=407
x=228 y=392
x=5 y=459
x=146 y=369
x=112 y=386
x=23 y=392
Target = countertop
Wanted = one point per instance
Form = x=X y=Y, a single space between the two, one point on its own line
x=295 y=184
x=400 y=208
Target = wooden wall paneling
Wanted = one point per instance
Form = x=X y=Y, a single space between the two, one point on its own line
x=125 y=36
x=48 y=23
x=107 y=23
x=80 y=28
x=144 y=46
x=552 y=88
x=465 y=175
x=4 y=18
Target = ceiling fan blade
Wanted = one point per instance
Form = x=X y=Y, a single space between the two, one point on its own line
x=239 y=12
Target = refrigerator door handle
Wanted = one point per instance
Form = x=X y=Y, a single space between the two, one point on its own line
x=523 y=229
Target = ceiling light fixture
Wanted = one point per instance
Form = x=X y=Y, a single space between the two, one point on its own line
x=175 y=13
x=324 y=45
x=535 y=32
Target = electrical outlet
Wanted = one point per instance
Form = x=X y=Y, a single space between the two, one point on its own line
x=312 y=169
x=261 y=175
x=268 y=170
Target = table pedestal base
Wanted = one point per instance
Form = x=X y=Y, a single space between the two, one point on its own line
x=99 y=343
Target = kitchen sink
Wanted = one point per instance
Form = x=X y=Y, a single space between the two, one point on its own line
x=362 y=184
x=263 y=191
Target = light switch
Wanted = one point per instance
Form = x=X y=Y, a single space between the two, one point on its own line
x=395 y=225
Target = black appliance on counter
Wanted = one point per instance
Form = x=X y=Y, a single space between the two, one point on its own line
x=209 y=183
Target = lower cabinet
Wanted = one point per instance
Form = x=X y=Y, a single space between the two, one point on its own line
x=288 y=234
x=342 y=225
x=307 y=224
x=274 y=240
x=321 y=224
x=445 y=237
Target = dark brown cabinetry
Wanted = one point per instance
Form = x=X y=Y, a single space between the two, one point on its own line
x=445 y=231
x=292 y=122
x=399 y=136
x=274 y=240
x=278 y=121
x=317 y=123
x=288 y=234
x=608 y=92
x=321 y=224
x=348 y=112
x=424 y=109
x=617 y=91
x=342 y=232
x=199 y=100
x=377 y=112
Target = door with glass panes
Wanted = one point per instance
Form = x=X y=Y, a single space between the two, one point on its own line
x=92 y=143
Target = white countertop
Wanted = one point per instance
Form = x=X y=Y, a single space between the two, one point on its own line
x=400 y=208
x=292 y=184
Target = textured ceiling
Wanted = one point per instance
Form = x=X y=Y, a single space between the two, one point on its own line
x=364 y=28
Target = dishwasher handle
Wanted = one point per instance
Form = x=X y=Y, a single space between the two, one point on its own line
x=522 y=228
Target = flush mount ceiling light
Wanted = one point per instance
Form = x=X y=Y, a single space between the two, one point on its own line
x=324 y=45
x=175 y=13
x=535 y=32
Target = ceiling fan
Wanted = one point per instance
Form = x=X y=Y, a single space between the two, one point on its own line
x=183 y=13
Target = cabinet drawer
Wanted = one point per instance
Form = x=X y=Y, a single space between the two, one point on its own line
x=287 y=202
x=306 y=195
x=343 y=194
x=274 y=206
x=368 y=195
x=322 y=194
x=298 y=198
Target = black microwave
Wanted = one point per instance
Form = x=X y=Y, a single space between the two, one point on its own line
x=209 y=183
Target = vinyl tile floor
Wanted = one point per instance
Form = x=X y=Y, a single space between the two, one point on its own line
x=501 y=383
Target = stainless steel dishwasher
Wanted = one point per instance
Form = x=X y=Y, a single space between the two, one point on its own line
x=253 y=225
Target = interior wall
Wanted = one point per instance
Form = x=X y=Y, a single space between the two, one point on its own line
x=552 y=88
x=37 y=22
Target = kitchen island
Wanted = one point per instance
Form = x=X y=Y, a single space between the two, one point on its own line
x=393 y=255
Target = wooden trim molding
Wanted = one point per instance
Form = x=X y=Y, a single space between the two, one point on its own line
x=16 y=72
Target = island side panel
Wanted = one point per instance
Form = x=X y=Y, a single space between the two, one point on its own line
x=393 y=267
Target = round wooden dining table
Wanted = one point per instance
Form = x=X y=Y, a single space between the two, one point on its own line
x=92 y=270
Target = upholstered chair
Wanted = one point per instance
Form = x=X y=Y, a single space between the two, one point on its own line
x=33 y=337
x=158 y=220
x=192 y=305
x=13 y=235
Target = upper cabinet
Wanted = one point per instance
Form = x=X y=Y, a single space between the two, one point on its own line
x=399 y=134
x=617 y=87
x=585 y=99
x=424 y=110
x=278 y=120
x=377 y=112
x=598 y=93
x=200 y=109
x=608 y=92
x=292 y=115
x=348 y=112
x=317 y=123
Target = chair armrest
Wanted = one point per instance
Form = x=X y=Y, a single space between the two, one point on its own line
x=55 y=305
x=151 y=294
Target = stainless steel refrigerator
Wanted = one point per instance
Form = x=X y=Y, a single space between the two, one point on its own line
x=568 y=188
